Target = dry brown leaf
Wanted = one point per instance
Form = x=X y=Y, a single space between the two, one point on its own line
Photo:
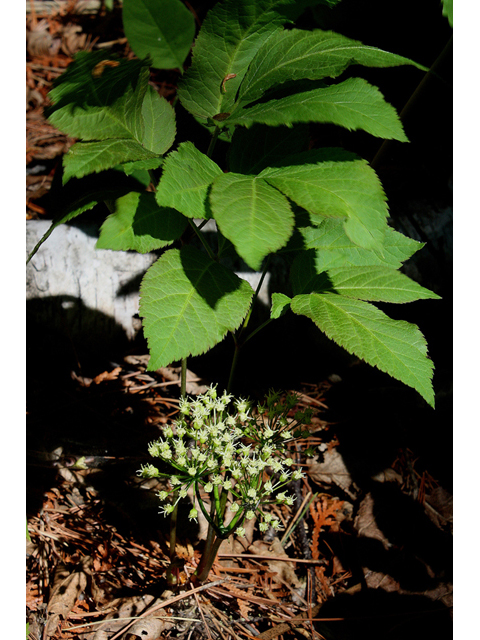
x=40 y=42
x=331 y=471
x=73 y=40
x=388 y=475
x=146 y=629
x=66 y=590
x=284 y=571
x=108 y=375
x=365 y=522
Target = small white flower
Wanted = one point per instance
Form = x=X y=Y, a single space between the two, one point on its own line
x=183 y=493
x=267 y=487
x=234 y=507
x=163 y=495
x=227 y=484
x=249 y=515
x=298 y=474
x=281 y=497
x=208 y=487
x=182 y=461
x=193 y=514
x=241 y=405
x=263 y=526
x=192 y=471
x=167 y=509
x=275 y=524
x=288 y=462
x=252 y=493
x=240 y=531
x=289 y=500
x=184 y=406
x=175 y=481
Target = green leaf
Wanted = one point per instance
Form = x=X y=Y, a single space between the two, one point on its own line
x=313 y=55
x=374 y=283
x=343 y=189
x=139 y=224
x=188 y=303
x=353 y=104
x=141 y=168
x=280 y=305
x=333 y=248
x=394 y=346
x=255 y=149
x=89 y=157
x=82 y=200
x=231 y=34
x=254 y=216
x=186 y=178
x=161 y=29
x=98 y=108
x=447 y=11
x=159 y=122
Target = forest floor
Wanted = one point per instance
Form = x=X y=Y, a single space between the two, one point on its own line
x=364 y=552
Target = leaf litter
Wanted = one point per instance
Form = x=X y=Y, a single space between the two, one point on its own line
x=93 y=568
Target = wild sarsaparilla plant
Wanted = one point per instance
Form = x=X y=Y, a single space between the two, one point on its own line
x=218 y=448
x=256 y=82
x=256 y=85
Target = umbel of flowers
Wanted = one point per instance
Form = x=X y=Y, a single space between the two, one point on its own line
x=220 y=447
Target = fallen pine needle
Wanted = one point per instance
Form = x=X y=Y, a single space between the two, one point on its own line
x=254 y=556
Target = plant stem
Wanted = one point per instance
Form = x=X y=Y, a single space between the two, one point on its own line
x=201 y=238
x=183 y=384
x=213 y=142
x=171 y=578
x=238 y=343
x=207 y=560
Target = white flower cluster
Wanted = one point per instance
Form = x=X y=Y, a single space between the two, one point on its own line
x=217 y=445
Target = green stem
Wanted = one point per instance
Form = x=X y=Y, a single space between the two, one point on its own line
x=238 y=343
x=233 y=365
x=183 y=384
x=213 y=142
x=201 y=238
x=207 y=560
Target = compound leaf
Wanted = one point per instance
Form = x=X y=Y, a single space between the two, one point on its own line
x=98 y=107
x=89 y=157
x=139 y=224
x=353 y=104
x=333 y=248
x=313 y=55
x=337 y=189
x=394 y=346
x=186 y=178
x=231 y=34
x=280 y=305
x=159 y=122
x=254 y=216
x=161 y=29
x=188 y=303
x=373 y=283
